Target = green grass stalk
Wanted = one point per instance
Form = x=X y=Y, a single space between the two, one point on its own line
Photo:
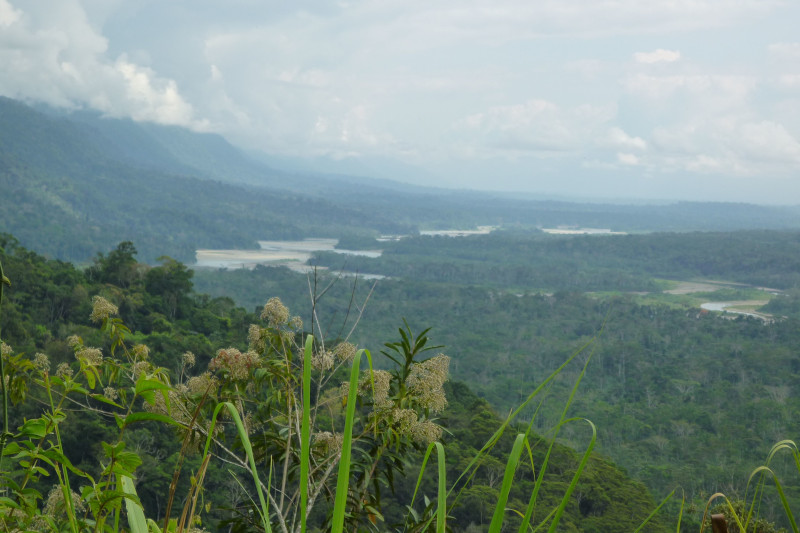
x=508 y=478
x=441 y=509
x=542 y=469
x=575 y=477
x=658 y=507
x=305 y=432
x=343 y=480
x=784 y=502
x=248 y=448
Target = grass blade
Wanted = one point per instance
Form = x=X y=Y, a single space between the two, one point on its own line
x=441 y=509
x=497 y=434
x=540 y=479
x=305 y=432
x=786 y=508
x=508 y=478
x=343 y=481
x=658 y=507
x=563 y=505
x=248 y=448
x=136 y=519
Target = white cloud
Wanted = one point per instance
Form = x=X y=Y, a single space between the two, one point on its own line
x=692 y=97
x=51 y=53
x=785 y=51
x=789 y=81
x=424 y=22
x=588 y=68
x=727 y=145
x=657 y=56
x=659 y=87
x=8 y=15
x=628 y=159
x=534 y=126
x=767 y=141
x=705 y=164
x=618 y=138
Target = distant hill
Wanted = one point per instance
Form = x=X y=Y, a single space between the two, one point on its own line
x=75 y=183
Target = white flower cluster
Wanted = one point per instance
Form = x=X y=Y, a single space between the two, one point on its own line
x=323 y=360
x=275 y=313
x=426 y=382
x=41 y=362
x=102 y=309
x=382 y=382
x=330 y=443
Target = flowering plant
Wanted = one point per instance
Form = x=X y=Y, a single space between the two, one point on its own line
x=276 y=411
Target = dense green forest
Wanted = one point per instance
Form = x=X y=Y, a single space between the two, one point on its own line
x=681 y=397
x=50 y=300
x=529 y=260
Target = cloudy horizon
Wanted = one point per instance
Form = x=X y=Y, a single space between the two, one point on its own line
x=687 y=100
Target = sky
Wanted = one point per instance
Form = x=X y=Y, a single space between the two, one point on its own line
x=623 y=99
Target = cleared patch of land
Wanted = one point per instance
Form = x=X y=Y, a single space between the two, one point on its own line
x=744 y=307
x=689 y=287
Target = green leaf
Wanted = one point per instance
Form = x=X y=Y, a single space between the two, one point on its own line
x=149 y=396
x=101 y=398
x=34 y=428
x=11 y=448
x=89 y=377
x=128 y=460
x=8 y=502
x=144 y=384
x=142 y=416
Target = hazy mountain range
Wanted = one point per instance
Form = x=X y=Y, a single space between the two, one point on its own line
x=75 y=183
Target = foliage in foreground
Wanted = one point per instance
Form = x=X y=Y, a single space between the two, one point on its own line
x=265 y=439
x=250 y=412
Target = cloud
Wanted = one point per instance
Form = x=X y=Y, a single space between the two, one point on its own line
x=52 y=53
x=785 y=51
x=499 y=21
x=628 y=159
x=657 y=56
x=691 y=95
x=8 y=15
x=534 y=126
x=767 y=141
x=619 y=139
x=732 y=146
x=789 y=81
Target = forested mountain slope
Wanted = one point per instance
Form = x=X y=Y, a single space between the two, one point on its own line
x=65 y=193
x=50 y=300
x=76 y=183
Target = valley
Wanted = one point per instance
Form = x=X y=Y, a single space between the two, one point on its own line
x=691 y=362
